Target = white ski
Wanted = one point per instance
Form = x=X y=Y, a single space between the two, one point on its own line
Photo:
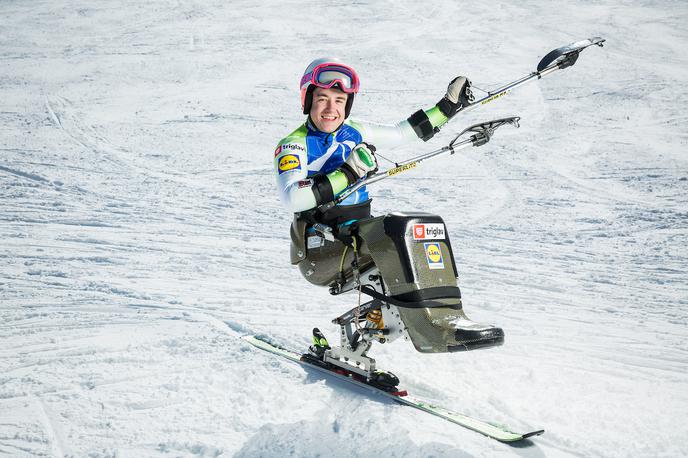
x=498 y=432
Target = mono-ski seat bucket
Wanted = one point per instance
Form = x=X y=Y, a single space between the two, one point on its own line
x=413 y=255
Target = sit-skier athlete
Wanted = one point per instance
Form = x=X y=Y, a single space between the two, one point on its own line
x=314 y=163
x=328 y=153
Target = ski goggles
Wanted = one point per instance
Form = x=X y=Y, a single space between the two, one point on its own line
x=328 y=74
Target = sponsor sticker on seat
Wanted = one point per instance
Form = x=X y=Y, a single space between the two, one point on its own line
x=428 y=231
x=433 y=254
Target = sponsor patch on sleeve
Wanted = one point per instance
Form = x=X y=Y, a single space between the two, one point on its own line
x=433 y=254
x=428 y=231
x=292 y=147
x=288 y=162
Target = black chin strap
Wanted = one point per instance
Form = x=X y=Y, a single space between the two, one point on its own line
x=349 y=104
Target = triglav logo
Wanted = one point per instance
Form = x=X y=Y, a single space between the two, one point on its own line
x=428 y=231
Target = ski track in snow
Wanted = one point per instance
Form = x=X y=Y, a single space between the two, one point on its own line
x=142 y=235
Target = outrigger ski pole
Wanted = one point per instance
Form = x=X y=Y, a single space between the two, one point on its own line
x=557 y=59
x=482 y=132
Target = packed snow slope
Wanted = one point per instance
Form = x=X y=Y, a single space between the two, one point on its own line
x=141 y=234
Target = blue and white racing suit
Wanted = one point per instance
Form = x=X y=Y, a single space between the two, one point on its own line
x=307 y=153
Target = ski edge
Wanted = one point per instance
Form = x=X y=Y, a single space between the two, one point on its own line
x=497 y=432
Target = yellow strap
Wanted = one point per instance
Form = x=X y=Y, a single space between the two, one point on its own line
x=341 y=264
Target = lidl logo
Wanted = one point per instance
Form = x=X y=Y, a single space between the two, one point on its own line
x=433 y=254
x=288 y=162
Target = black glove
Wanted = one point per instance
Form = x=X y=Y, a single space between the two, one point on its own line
x=458 y=95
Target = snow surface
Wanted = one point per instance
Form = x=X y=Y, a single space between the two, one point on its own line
x=142 y=235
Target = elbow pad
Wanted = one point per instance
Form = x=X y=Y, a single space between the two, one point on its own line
x=327 y=186
x=422 y=126
x=427 y=123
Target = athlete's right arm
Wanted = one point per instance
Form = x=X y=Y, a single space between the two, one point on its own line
x=299 y=192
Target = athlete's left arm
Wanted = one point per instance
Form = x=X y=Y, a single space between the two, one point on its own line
x=423 y=124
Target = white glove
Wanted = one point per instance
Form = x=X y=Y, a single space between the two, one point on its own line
x=360 y=163
x=458 y=95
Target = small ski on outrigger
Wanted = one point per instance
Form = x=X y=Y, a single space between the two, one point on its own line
x=494 y=431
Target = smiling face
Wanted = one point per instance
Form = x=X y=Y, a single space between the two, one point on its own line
x=328 y=109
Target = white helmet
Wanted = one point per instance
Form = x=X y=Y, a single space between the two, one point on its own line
x=328 y=72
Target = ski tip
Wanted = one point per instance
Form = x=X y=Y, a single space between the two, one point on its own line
x=515 y=438
x=252 y=338
x=261 y=339
x=599 y=41
x=533 y=433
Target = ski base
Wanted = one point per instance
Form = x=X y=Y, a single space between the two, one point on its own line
x=498 y=432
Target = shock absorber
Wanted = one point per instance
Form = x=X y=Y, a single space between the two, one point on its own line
x=374 y=317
